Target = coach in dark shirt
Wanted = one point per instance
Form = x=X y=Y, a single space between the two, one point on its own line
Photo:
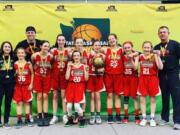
x=31 y=44
x=169 y=76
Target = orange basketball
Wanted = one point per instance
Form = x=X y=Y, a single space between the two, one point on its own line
x=87 y=32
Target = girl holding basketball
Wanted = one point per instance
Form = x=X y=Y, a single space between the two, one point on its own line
x=42 y=76
x=58 y=81
x=148 y=82
x=77 y=75
x=23 y=87
x=95 y=84
x=130 y=80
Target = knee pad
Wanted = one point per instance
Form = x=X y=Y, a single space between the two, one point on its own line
x=78 y=108
x=69 y=109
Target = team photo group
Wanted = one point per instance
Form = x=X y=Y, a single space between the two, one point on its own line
x=34 y=66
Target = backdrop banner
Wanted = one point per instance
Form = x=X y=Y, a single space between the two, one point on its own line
x=135 y=22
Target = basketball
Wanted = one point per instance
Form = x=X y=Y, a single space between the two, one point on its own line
x=98 y=62
x=87 y=32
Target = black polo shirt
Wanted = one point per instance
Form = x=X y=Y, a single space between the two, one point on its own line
x=24 y=44
x=171 y=59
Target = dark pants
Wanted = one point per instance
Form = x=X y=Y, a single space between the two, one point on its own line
x=7 y=90
x=170 y=86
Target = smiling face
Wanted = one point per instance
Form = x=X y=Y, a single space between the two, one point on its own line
x=147 y=47
x=45 y=47
x=31 y=35
x=61 y=41
x=96 y=46
x=112 y=40
x=21 y=54
x=127 y=48
x=7 y=48
x=79 y=43
x=76 y=56
x=163 y=34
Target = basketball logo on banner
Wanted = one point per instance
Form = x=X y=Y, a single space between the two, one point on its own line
x=87 y=32
x=88 y=29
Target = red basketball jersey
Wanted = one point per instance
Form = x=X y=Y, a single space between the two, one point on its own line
x=23 y=76
x=42 y=66
x=60 y=61
x=114 y=62
x=147 y=67
x=77 y=74
x=128 y=67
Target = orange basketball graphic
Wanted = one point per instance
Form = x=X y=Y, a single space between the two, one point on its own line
x=87 y=32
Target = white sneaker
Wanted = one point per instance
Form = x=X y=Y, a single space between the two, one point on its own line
x=98 y=120
x=143 y=122
x=152 y=123
x=92 y=120
x=65 y=119
x=54 y=120
x=31 y=119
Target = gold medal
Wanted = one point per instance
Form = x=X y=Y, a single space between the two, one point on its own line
x=113 y=55
x=32 y=47
x=7 y=65
x=61 y=56
x=163 y=50
x=21 y=68
x=43 y=64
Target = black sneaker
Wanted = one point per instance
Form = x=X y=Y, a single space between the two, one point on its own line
x=46 y=122
x=118 y=119
x=69 y=122
x=110 y=119
x=82 y=122
x=28 y=123
x=40 y=122
x=19 y=124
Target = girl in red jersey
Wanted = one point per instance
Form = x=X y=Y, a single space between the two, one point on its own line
x=58 y=81
x=78 y=46
x=77 y=75
x=95 y=84
x=148 y=81
x=113 y=77
x=23 y=87
x=130 y=80
x=42 y=77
